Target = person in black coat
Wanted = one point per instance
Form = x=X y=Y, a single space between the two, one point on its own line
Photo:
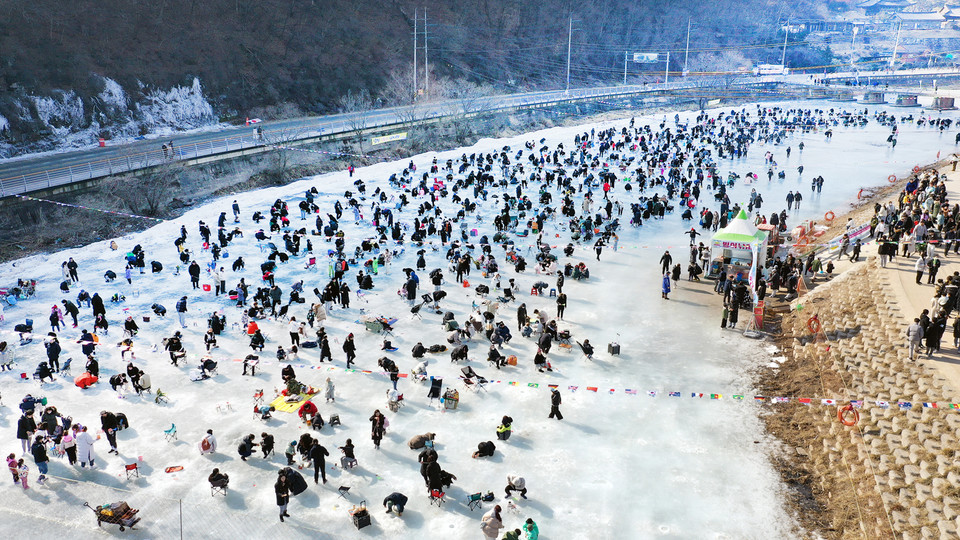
x=283 y=494
x=434 y=476
x=325 y=349
x=109 y=424
x=97 y=304
x=350 y=348
x=71 y=309
x=395 y=501
x=245 y=449
x=521 y=316
x=377 y=427
x=93 y=367
x=555 y=405
x=317 y=455
x=26 y=427
x=53 y=352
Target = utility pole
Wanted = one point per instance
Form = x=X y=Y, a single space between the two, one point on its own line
x=896 y=45
x=624 y=68
x=415 y=45
x=687 y=53
x=426 y=57
x=666 y=70
x=569 y=44
x=786 y=34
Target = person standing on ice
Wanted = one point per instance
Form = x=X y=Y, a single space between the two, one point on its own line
x=85 y=448
x=665 y=287
x=666 y=261
x=236 y=212
x=283 y=494
x=351 y=349
x=194 y=271
x=182 y=311
x=555 y=401
x=491 y=523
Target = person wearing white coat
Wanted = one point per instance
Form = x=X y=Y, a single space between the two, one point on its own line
x=209 y=443
x=85 y=448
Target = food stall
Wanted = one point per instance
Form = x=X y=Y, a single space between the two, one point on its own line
x=732 y=248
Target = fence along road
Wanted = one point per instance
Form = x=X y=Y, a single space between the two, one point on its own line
x=20 y=176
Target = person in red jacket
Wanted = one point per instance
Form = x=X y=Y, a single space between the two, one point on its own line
x=307 y=411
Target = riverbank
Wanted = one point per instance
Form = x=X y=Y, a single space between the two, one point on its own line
x=894 y=473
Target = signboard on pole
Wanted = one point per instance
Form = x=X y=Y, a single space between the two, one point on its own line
x=646 y=58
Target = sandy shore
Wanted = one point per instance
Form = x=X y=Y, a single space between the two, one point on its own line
x=894 y=474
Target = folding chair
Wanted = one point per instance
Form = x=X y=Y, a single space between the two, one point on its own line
x=65 y=368
x=415 y=310
x=436 y=386
x=258 y=397
x=436 y=497
x=311 y=263
x=132 y=470
x=218 y=487
x=472 y=380
x=170 y=434
x=342 y=491
x=474 y=501
x=161 y=397
x=335 y=420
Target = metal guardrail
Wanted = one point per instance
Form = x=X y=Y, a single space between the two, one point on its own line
x=45 y=178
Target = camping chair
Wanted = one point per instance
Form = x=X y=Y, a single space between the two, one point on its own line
x=436 y=386
x=588 y=356
x=343 y=491
x=474 y=501
x=65 y=368
x=161 y=397
x=472 y=380
x=415 y=310
x=436 y=497
x=219 y=486
x=258 y=397
x=311 y=263
x=132 y=470
x=170 y=434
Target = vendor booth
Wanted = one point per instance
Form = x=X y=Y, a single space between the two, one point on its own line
x=732 y=248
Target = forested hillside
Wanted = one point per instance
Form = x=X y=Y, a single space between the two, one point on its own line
x=249 y=55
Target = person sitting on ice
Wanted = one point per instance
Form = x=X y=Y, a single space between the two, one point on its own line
x=484 y=449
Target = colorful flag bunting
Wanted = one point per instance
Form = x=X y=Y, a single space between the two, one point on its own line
x=533 y=385
x=828 y=402
x=572 y=388
x=591 y=388
x=652 y=393
x=630 y=392
x=929 y=405
x=804 y=400
x=904 y=404
x=674 y=394
x=716 y=396
x=882 y=404
x=759 y=398
x=738 y=396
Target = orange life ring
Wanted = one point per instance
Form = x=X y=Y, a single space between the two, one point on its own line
x=802 y=242
x=916 y=169
x=892 y=178
x=813 y=324
x=843 y=416
x=859 y=194
x=829 y=216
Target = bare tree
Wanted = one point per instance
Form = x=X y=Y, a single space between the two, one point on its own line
x=280 y=140
x=148 y=194
x=356 y=106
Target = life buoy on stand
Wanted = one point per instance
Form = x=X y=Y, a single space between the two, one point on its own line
x=829 y=216
x=847 y=415
x=813 y=324
x=892 y=178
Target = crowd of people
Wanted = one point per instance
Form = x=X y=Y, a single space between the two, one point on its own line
x=313 y=274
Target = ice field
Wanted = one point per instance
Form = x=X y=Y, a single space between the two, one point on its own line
x=620 y=465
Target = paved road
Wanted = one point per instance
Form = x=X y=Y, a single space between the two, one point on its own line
x=31 y=174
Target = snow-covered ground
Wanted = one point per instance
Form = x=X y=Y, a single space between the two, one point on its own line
x=618 y=466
